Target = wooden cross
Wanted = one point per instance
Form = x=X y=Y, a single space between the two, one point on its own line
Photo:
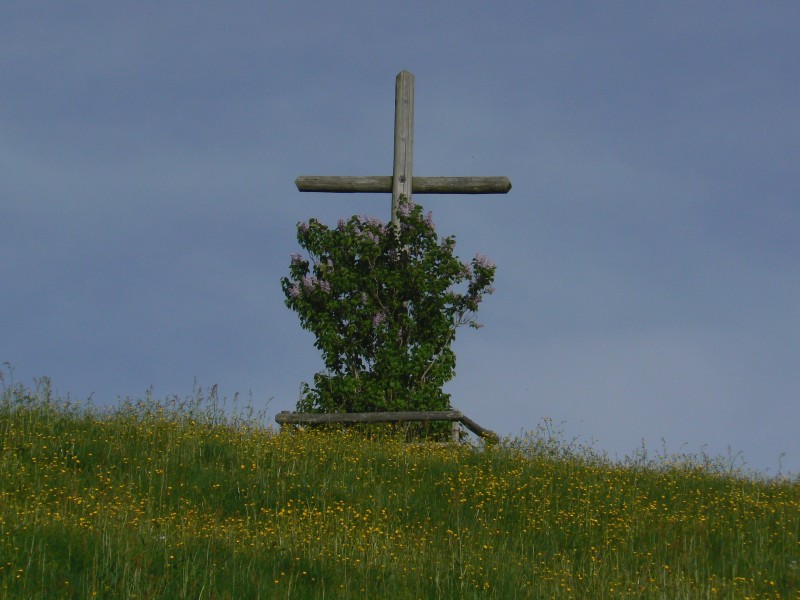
x=402 y=181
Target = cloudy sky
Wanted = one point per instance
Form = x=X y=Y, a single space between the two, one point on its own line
x=648 y=283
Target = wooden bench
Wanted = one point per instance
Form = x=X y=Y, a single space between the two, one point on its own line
x=454 y=416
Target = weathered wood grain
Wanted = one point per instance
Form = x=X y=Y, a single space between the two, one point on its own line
x=293 y=418
x=402 y=182
x=420 y=185
x=403 y=140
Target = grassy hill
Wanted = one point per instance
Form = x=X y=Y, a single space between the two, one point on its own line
x=178 y=499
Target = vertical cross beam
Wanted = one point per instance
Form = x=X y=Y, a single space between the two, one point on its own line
x=402 y=174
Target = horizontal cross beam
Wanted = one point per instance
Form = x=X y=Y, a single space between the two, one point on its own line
x=419 y=185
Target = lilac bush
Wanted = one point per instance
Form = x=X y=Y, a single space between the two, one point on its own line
x=384 y=303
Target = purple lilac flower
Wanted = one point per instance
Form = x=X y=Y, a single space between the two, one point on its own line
x=341 y=225
x=484 y=262
x=429 y=219
x=302 y=226
x=404 y=209
x=325 y=286
x=308 y=283
x=379 y=318
x=296 y=259
x=294 y=291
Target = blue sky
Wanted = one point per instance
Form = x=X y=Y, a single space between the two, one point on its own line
x=648 y=284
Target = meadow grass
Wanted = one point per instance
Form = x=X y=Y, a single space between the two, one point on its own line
x=174 y=499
